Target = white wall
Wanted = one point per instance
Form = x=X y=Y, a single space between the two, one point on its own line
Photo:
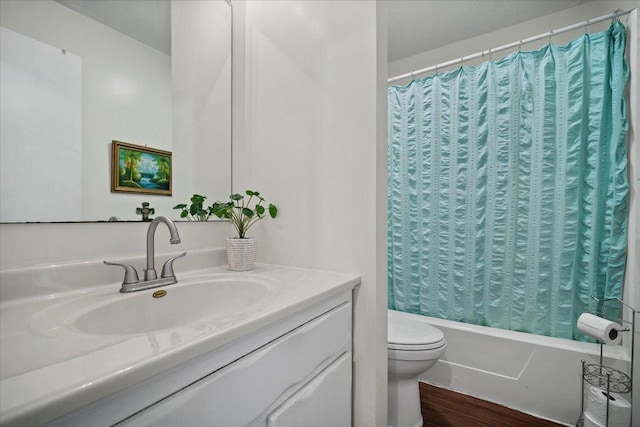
x=528 y=29
x=30 y=245
x=514 y=33
x=311 y=138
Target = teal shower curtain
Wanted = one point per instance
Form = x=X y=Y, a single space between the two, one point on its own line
x=508 y=189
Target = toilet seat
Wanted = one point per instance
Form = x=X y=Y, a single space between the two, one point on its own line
x=406 y=332
x=413 y=347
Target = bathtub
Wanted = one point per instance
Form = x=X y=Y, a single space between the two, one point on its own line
x=534 y=374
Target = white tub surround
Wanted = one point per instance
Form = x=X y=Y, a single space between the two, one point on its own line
x=534 y=374
x=49 y=368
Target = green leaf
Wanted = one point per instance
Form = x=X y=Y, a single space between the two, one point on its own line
x=248 y=212
x=180 y=206
x=184 y=214
x=273 y=210
x=259 y=209
x=236 y=197
x=222 y=210
x=250 y=193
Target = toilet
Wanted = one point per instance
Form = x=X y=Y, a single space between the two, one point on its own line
x=413 y=347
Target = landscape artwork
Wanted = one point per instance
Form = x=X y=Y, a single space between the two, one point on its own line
x=137 y=169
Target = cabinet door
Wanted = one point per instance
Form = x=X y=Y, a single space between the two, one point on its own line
x=325 y=401
x=244 y=392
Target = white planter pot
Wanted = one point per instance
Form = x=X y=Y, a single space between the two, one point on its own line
x=241 y=253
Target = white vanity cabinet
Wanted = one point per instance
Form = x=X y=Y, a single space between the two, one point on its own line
x=296 y=371
x=324 y=401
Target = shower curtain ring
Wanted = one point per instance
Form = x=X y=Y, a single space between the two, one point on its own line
x=586 y=26
x=550 y=35
x=617 y=17
x=520 y=46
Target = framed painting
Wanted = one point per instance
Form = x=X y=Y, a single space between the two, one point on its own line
x=137 y=169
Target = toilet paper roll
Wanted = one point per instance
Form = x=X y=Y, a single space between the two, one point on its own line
x=596 y=409
x=601 y=329
x=589 y=421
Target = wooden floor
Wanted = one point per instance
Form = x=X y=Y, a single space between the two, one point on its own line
x=446 y=408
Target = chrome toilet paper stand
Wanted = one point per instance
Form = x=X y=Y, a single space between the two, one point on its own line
x=605 y=377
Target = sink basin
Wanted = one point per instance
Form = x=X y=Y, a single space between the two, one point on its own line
x=181 y=305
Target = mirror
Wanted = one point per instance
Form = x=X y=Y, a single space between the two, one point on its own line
x=79 y=74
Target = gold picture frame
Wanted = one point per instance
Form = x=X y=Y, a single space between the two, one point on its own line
x=137 y=169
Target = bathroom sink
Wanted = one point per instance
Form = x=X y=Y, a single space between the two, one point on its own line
x=150 y=310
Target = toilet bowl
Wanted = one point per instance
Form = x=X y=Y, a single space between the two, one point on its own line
x=413 y=347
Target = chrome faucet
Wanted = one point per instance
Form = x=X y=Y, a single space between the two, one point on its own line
x=150 y=271
x=131 y=282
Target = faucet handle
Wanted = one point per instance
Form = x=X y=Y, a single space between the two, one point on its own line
x=130 y=273
x=167 y=268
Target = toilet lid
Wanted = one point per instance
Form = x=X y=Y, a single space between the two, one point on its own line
x=409 y=332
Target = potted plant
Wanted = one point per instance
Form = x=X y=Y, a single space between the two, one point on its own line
x=243 y=213
x=197 y=211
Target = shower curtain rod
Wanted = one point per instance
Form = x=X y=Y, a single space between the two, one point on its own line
x=549 y=34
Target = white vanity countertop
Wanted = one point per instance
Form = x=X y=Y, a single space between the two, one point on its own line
x=48 y=368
